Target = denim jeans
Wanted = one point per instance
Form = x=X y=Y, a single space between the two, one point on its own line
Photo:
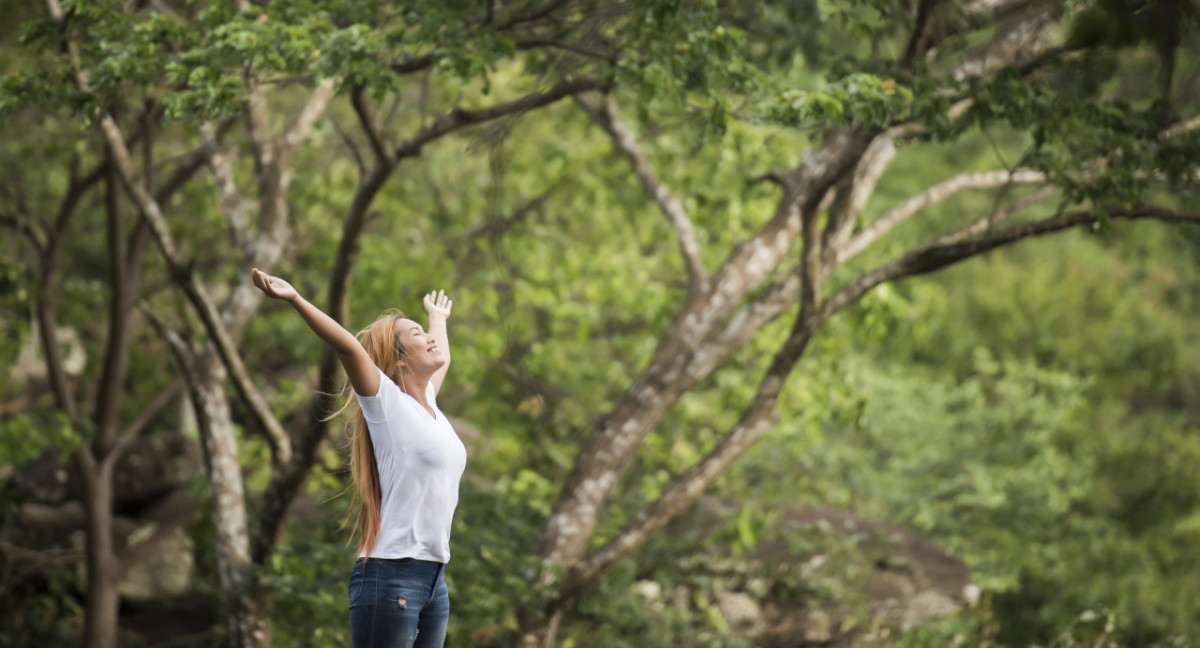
x=398 y=603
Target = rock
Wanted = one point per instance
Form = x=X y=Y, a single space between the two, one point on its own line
x=818 y=627
x=901 y=579
x=925 y=606
x=648 y=589
x=971 y=594
x=740 y=610
x=166 y=571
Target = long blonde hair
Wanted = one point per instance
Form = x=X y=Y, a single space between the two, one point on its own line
x=382 y=342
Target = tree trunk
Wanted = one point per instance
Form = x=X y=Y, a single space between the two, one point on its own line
x=246 y=606
x=539 y=632
x=103 y=601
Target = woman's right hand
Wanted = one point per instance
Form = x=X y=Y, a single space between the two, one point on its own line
x=273 y=286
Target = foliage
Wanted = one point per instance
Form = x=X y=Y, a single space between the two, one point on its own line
x=1008 y=409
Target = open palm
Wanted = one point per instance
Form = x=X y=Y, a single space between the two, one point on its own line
x=438 y=304
x=273 y=287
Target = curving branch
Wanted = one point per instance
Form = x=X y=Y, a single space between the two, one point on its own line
x=917 y=40
x=670 y=205
x=44 y=311
x=459 y=118
x=1025 y=44
x=937 y=255
x=147 y=415
x=852 y=193
x=931 y=196
x=233 y=205
x=371 y=126
x=198 y=295
x=307 y=118
x=607 y=56
x=996 y=217
x=759 y=417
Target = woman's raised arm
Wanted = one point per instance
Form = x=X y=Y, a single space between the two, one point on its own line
x=363 y=374
x=437 y=307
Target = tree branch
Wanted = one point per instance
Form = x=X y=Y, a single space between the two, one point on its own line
x=147 y=415
x=931 y=196
x=371 y=126
x=116 y=346
x=671 y=207
x=574 y=48
x=935 y=256
x=618 y=433
x=24 y=227
x=853 y=192
x=459 y=118
x=1185 y=126
x=915 y=40
x=44 y=309
x=233 y=205
x=752 y=261
x=759 y=417
x=317 y=102
x=1023 y=44
x=782 y=294
x=350 y=145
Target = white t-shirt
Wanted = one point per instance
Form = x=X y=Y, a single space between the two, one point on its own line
x=420 y=460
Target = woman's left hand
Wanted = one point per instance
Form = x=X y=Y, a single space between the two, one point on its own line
x=438 y=304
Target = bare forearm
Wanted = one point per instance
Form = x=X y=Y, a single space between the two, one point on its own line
x=437 y=329
x=363 y=374
x=335 y=335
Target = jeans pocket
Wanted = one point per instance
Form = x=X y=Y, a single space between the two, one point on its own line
x=354 y=588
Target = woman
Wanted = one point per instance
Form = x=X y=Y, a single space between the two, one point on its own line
x=406 y=462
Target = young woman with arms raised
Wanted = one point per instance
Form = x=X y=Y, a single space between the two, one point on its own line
x=406 y=462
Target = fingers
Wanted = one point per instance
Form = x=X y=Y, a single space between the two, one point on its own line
x=438 y=300
x=263 y=282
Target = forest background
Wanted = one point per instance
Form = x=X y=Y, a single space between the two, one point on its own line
x=705 y=403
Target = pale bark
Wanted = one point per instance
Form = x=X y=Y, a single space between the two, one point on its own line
x=1022 y=42
x=893 y=217
x=851 y=195
x=245 y=606
x=947 y=250
x=619 y=433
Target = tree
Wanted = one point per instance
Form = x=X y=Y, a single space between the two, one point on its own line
x=895 y=75
x=118 y=56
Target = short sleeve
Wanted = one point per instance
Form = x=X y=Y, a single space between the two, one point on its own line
x=375 y=408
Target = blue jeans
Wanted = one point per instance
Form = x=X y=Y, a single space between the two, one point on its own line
x=398 y=603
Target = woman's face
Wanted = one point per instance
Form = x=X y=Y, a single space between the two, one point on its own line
x=422 y=353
